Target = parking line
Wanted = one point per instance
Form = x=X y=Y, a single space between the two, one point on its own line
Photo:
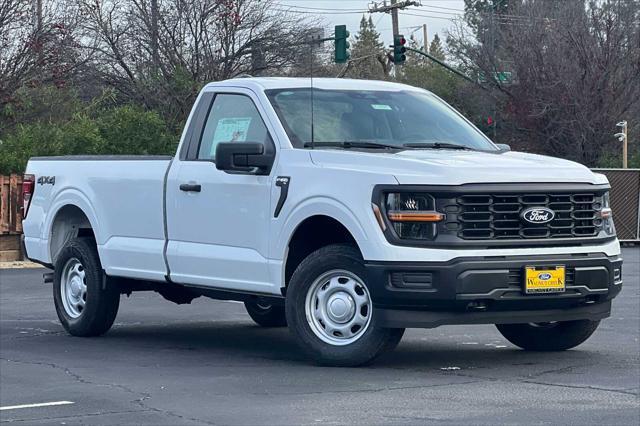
x=41 y=404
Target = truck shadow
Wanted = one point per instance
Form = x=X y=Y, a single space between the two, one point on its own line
x=240 y=343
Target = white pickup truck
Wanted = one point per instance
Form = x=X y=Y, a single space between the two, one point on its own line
x=348 y=210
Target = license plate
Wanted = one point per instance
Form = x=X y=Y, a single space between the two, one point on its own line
x=544 y=280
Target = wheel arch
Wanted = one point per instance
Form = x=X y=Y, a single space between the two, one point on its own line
x=313 y=225
x=71 y=217
x=310 y=235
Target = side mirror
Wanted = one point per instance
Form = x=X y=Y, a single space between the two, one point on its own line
x=503 y=147
x=243 y=157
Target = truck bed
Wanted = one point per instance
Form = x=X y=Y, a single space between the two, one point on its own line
x=121 y=196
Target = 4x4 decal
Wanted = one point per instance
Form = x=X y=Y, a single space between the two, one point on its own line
x=47 y=180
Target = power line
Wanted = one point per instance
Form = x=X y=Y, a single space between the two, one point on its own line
x=426 y=16
x=323 y=8
x=502 y=18
x=436 y=11
x=413 y=27
x=392 y=8
x=441 y=7
x=308 y=12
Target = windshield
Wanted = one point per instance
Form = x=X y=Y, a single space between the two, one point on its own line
x=404 y=119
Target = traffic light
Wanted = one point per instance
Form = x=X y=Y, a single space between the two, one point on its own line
x=342 y=44
x=399 y=50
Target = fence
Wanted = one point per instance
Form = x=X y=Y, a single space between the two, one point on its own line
x=10 y=217
x=625 y=202
x=10 y=203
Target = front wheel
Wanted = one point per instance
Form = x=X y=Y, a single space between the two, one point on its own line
x=548 y=336
x=330 y=311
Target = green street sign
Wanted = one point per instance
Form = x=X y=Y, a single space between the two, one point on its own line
x=503 y=77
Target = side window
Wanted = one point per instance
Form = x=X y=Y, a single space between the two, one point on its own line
x=232 y=118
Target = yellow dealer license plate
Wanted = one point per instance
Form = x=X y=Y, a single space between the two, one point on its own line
x=544 y=280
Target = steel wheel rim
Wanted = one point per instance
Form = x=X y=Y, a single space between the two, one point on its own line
x=338 y=307
x=73 y=288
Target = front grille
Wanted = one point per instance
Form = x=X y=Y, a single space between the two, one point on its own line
x=498 y=216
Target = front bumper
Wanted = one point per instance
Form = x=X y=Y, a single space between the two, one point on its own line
x=490 y=290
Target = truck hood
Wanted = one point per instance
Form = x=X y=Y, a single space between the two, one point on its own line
x=453 y=167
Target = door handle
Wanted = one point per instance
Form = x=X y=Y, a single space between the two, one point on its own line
x=190 y=187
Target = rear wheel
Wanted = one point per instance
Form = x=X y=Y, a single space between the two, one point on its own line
x=86 y=305
x=548 y=336
x=330 y=311
x=266 y=314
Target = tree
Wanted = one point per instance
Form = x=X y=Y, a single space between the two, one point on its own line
x=37 y=47
x=435 y=48
x=159 y=53
x=367 y=53
x=423 y=72
x=575 y=68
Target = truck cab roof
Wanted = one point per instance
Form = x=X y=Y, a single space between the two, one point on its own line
x=267 y=83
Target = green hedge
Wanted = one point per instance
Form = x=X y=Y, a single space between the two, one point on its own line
x=121 y=130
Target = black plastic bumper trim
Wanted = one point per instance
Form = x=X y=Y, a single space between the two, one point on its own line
x=393 y=318
x=493 y=280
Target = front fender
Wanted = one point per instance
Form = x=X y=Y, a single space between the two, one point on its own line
x=321 y=206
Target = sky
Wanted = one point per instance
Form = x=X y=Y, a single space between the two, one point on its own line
x=437 y=14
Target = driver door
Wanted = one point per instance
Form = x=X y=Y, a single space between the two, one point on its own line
x=218 y=222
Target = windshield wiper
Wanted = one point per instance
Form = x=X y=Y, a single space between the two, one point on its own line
x=437 y=145
x=356 y=144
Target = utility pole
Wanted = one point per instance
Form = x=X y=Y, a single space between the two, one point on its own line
x=393 y=9
x=155 y=45
x=492 y=31
x=622 y=137
x=37 y=30
x=425 y=38
x=394 y=19
x=37 y=15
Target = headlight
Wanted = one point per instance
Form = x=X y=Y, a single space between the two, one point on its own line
x=412 y=215
x=607 y=216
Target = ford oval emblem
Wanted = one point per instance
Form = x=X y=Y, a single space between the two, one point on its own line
x=545 y=276
x=538 y=215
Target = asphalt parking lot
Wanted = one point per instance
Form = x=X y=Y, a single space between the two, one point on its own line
x=207 y=363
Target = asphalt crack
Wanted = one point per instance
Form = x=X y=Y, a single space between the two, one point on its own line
x=370 y=390
x=622 y=391
x=141 y=396
x=535 y=382
x=75 y=416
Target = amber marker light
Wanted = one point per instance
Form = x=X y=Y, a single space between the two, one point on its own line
x=378 y=214
x=419 y=216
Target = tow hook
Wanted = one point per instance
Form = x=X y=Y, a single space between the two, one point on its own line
x=47 y=278
x=477 y=306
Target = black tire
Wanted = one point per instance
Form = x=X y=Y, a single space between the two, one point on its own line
x=394 y=340
x=558 y=336
x=266 y=314
x=372 y=342
x=101 y=299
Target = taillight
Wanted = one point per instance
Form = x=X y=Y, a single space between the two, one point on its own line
x=28 y=184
